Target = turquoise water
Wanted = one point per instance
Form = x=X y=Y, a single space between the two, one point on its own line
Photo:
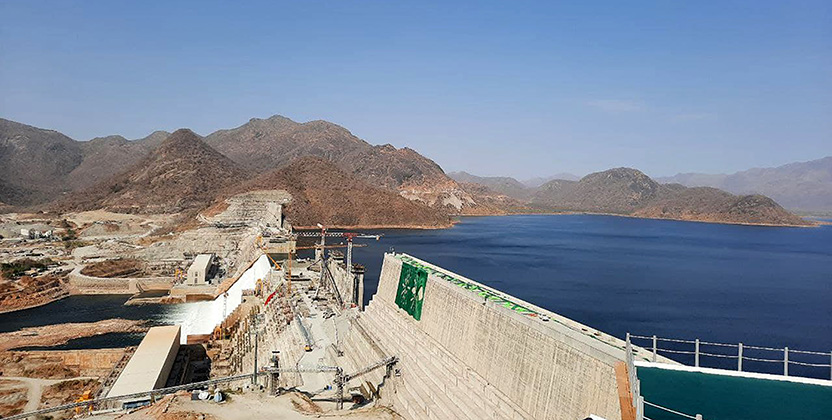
x=719 y=397
x=726 y=283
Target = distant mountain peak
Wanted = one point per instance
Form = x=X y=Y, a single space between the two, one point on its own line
x=805 y=186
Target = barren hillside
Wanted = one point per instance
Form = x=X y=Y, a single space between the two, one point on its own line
x=323 y=193
x=182 y=173
x=263 y=144
x=713 y=205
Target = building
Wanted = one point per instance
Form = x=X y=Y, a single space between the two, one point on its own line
x=150 y=365
x=198 y=272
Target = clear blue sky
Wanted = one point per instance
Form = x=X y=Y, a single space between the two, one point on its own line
x=494 y=88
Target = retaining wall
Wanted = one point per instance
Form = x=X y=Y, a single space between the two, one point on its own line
x=80 y=284
x=469 y=351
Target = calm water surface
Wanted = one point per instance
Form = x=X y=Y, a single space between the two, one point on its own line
x=758 y=285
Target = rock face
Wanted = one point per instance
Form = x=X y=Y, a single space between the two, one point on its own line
x=263 y=144
x=182 y=173
x=803 y=186
x=324 y=193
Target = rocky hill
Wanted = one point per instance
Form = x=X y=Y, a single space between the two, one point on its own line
x=263 y=144
x=628 y=191
x=805 y=186
x=41 y=165
x=713 y=205
x=108 y=156
x=619 y=190
x=324 y=193
x=34 y=161
x=504 y=185
x=58 y=165
x=183 y=173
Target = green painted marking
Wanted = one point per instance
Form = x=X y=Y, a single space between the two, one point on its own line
x=484 y=293
x=411 y=291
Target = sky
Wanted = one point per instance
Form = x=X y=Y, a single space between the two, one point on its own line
x=514 y=88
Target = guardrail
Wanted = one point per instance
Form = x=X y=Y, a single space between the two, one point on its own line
x=635 y=387
x=699 y=347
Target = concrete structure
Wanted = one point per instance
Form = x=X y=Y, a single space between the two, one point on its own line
x=468 y=351
x=350 y=284
x=199 y=269
x=150 y=365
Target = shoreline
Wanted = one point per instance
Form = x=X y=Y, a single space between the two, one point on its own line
x=813 y=224
x=37 y=305
x=810 y=224
x=368 y=227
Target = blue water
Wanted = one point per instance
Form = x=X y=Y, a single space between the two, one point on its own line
x=726 y=283
x=758 y=285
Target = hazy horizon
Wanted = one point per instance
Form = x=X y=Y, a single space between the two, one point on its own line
x=493 y=89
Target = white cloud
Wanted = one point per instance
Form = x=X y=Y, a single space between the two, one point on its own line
x=617 y=105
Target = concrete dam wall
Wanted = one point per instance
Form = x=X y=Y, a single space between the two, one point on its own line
x=471 y=352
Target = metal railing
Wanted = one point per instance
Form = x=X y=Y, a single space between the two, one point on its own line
x=702 y=349
x=635 y=387
x=671 y=411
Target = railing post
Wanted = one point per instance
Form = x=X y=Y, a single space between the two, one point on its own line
x=739 y=358
x=696 y=354
x=655 y=345
x=786 y=361
x=640 y=409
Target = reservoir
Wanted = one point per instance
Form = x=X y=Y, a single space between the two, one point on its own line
x=763 y=286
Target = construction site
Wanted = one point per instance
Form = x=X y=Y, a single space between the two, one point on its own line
x=263 y=332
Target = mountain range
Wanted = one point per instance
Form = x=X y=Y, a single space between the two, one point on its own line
x=800 y=186
x=335 y=177
x=627 y=191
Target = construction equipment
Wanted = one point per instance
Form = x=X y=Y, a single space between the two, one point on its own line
x=259 y=243
x=350 y=236
x=86 y=396
x=324 y=234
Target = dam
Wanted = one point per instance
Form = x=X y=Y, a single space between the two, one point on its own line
x=453 y=348
x=469 y=351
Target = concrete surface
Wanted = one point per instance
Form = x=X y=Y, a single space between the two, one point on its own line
x=150 y=365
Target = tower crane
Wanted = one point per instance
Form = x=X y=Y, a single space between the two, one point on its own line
x=350 y=236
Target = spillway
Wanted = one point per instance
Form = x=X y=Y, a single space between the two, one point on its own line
x=202 y=317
